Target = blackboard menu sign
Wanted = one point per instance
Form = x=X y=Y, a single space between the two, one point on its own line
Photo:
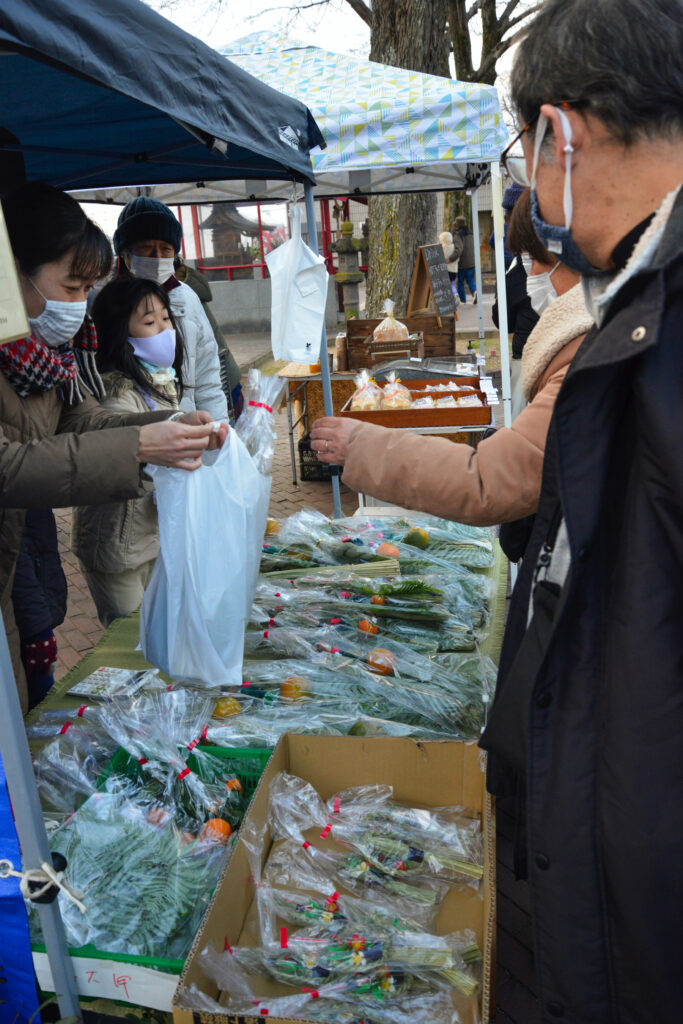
x=431 y=282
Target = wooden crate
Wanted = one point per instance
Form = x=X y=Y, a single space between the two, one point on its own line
x=458 y=416
x=438 y=340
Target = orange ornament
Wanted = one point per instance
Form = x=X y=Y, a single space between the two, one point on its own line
x=382 y=661
x=215 y=830
x=295 y=688
x=388 y=551
x=366 y=626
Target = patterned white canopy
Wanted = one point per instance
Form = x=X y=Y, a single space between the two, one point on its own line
x=387 y=129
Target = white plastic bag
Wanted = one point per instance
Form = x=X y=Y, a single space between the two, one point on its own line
x=299 y=292
x=211 y=526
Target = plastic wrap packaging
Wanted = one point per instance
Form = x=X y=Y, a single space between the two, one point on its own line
x=160 y=733
x=390 y=329
x=367 y=395
x=456 y=542
x=146 y=887
x=402 y=842
x=262 y=395
x=67 y=769
x=395 y=395
x=424 y=403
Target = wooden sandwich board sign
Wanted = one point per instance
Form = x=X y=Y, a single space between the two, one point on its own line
x=431 y=284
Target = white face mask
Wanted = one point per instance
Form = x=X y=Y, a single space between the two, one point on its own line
x=59 y=321
x=157 y=269
x=541 y=290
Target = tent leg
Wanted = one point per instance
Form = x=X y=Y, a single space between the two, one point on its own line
x=28 y=818
x=324 y=361
x=497 y=196
x=477 y=269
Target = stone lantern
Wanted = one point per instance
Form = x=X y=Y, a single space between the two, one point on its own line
x=348 y=276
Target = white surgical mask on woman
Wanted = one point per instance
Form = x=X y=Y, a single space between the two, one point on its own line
x=58 y=322
x=541 y=290
x=153 y=268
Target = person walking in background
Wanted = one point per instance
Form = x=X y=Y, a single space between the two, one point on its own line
x=446 y=240
x=463 y=240
x=147 y=240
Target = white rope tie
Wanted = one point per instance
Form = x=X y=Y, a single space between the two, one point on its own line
x=45 y=874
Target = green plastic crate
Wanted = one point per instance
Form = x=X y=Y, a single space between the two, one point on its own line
x=247 y=763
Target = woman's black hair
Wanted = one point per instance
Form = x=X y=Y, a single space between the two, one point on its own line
x=45 y=224
x=111 y=311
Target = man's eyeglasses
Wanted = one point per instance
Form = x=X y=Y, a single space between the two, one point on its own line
x=514 y=163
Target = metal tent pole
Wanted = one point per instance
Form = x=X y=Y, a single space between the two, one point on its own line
x=497 y=197
x=477 y=269
x=324 y=361
x=28 y=819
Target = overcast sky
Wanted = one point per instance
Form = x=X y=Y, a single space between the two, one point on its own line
x=333 y=26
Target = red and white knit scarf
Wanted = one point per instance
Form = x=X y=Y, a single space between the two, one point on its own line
x=31 y=366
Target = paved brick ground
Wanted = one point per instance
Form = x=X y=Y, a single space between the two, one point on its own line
x=81 y=629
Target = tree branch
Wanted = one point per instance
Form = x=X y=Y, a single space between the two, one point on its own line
x=523 y=16
x=474 y=9
x=362 y=10
x=509 y=8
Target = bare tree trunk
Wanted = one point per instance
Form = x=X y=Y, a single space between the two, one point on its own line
x=407 y=34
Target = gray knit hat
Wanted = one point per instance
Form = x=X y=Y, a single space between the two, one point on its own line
x=143 y=219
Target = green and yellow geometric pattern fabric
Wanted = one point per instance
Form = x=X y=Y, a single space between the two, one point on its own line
x=373 y=115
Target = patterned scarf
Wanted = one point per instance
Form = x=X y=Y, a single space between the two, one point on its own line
x=31 y=366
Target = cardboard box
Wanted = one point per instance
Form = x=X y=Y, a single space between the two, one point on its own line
x=423 y=773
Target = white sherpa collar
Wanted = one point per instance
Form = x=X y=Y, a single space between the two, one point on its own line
x=565 y=319
x=599 y=291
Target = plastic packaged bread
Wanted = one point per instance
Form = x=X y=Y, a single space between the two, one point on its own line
x=390 y=329
x=367 y=395
x=395 y=394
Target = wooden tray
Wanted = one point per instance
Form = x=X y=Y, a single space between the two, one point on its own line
x=445 y=417
x=438 y=340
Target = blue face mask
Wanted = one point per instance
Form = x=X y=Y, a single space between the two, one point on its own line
x=554 y=237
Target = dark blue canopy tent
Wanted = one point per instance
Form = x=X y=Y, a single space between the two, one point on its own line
x=113 y=94
x=100 y=95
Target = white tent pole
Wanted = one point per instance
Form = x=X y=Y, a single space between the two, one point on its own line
x=28 y=818
x=497 y=196
x=324 y=360
x=477 y=268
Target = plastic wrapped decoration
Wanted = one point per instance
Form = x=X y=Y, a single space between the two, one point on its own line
x=160 y=733
x=368 y=395
x=390 y=329
x=255 y=426
x=396 y=395
x=146 y=887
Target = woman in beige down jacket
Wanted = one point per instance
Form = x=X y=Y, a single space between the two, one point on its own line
x=500 y=480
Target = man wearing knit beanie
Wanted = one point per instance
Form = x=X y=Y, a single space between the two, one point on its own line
x=147 y=240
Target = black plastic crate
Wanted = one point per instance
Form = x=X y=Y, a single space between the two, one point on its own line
x=310 y=467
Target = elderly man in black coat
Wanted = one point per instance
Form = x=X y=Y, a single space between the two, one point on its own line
x=588 y=718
